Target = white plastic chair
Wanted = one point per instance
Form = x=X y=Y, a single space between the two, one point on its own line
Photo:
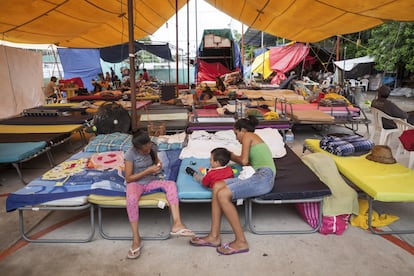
x=404 y=125
x=353 y=83
x=364 y=83
x=377 y=116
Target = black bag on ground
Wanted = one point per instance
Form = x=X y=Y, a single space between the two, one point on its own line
x=112 y=117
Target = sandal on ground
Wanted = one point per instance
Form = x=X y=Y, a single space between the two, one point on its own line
x=183 y=232
x=226 y=249
x=134 y=253
x=198 y=241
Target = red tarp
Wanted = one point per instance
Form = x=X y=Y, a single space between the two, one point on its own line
x=284 y=58
x=209 y=71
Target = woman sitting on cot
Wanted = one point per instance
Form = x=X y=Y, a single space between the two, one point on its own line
x=256 y=153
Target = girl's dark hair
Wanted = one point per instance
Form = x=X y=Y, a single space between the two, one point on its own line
x=248 y=123
x=141 y=138
x=221 y=155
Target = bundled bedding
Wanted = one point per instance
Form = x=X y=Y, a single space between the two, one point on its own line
x=346 y=145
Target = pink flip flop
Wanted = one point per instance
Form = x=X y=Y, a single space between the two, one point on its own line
x=230 y=250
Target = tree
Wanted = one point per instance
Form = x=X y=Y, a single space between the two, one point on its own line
x=392 y=45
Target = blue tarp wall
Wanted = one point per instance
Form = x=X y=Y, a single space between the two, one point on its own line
x=83 y=63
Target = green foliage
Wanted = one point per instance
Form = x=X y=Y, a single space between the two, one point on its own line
x=392 y=44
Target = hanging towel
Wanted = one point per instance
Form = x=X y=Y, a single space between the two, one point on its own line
x=344 y=199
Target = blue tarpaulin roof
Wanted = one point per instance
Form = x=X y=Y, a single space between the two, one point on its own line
x=118 y=53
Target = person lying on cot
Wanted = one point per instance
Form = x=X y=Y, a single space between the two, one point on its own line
x=218 y=170
x=207 y=100
x=142 y=174
x=256 y=153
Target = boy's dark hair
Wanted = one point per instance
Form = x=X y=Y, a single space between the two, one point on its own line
x=221 y=155
x=141 y=138
x=248 y=123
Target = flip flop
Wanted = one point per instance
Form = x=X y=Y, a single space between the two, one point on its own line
x=230 y=250
x=198 y=241
x=184 y=232
x=134 y=253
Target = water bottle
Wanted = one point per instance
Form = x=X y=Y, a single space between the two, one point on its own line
x=289 y=138
x=238 y=109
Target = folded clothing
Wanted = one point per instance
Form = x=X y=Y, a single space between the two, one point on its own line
x=346 y=145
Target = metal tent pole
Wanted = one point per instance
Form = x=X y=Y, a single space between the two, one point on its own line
x=131 y=48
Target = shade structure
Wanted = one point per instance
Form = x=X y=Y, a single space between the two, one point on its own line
x=118 y=53
x=280 y=59
x=81 y=23
x=97 y=23
x=314 y=20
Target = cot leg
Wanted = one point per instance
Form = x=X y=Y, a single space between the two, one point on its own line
x=107 y=236
x=87 y=239
x=280 y=232
x=50 y=158
x=16 y=166
x=374 y=231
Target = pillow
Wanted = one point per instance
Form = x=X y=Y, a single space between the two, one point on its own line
x=110 y=142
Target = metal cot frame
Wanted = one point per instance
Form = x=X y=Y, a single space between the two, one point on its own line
x=87 y=206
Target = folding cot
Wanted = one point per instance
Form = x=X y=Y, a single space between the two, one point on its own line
x=294 y=181
x=315 y=114
x=100 y=96
x=210 y=120
x=189 y=191
x=57 y=107
x=57 y=190
x=174 y=119
x=64 y=126
x=17 y=153
x=380 y=182
x=93 y=177
x=51 y=139
x=24 y=142
x=270 y=94
x=154 y=200
x=48 y=120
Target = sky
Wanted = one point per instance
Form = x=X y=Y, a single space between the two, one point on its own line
x=208 y=17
